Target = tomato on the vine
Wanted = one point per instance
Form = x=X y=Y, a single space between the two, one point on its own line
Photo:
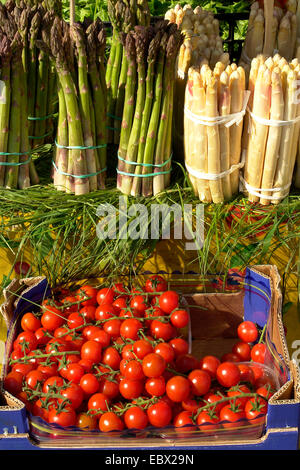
x=247 y=331
x=228 y=374
x=159 y=414
x=136 y=418
x=210 y=364
x=153 y=365
x=208 y=420
x=92 y=351
x=155 y=284
x=106 y=295
x=258 y=353
x=130 y=388
x=178 y=388
x=156 y=386
x=231 y=414
x=180 y=318
x=200 y=381
x=110 y=421
x=65 y=417
x=168 y=301
x=242 y=350
x=255 y=410
x=30 y=322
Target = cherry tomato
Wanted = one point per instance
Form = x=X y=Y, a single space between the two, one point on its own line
x=105 y=311
x=153 y=365
x=120 y=304
x=135 y=418
x=109 y=388
x=255 y=410
x=42 y=336
x=191 y=404
x=138 y=303
x=161 y=330
x=186 y=363
x=210 y=365
x=110 y=421
x=178 y=388
x=236 y=391
x=228 y=374
x=130 y=389
x=92 y=351
x=86 y=421
x=111 y=358
x=100 y=336
x=65 y=418
x=70 y=304
x=74 y=372
x=127 y=352
x=88 y=313
x=52 y=318
x=247 y=331
x=23 y=368
x=230 y=357
x=53 y=384
x=74 y=394
x=184 y=419
x=141 y=348
x=130 y=328
x=168 y=301
x=159 y=414
x=232 y=416
x=156 y=283
x=105 y=295
x=246 y=373
x=34 y=378
x=87 y=295
x=76 y=320
x=97 y=402
x=13 y=382
x=258 y=353
x=180 y=346
x=30 y=322
x=156 y=386
x=214 y=399
x=48 y=369
x=112 y=328
x=200 y=382
x=180 y=318
x=89 y=384
x=242 y=350
x=134 y=370
x=166 y=351
x=208 y=420
x=25 y=342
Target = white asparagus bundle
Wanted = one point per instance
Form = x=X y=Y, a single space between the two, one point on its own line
x=272 y=139
x=213 y=122
x=272 y=29
x=202 y=43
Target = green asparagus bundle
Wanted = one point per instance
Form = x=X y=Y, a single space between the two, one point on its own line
x=124 y=16
x=78 y=54
x=40 y=74
x=16 y=166
x=146 y=134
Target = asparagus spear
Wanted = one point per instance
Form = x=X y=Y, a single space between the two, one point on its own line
x=5 y=52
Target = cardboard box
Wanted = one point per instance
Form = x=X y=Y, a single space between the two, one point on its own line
x=217 y=306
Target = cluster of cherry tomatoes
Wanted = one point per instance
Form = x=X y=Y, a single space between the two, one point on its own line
x=114 y=358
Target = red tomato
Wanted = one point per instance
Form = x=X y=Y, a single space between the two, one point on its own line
x=180 y=346
x=184 y=419
x=210 y=365
x=247 y=331
x=156 y=386
x=26 y=341
x=74 y=394
x=86 y=364
x=105 y=311
x=65 y=418
x=52 y=318
x=88 y=313
x=232 y=416
x=255 y=410
x=112 y=328
x=236 y=391
x=159 y=414
x=55 y=347
x=133 y=370
x=200 y=382
x=87 y=422
x=53 y=384
x=130 y=389
x=34 y=378
x=228 y=374
x=105 y=296
x=76 y=320
x=161 y=330
x=138 y=303
x=130 y=328
x=141 y=348
x=97 y=402
x=180 y=318
x=154 y=365
x=265 y=391
x=74 y=372
x=110 y=421
x=208 y=420
x=13 y=382
x=119 y=304
x=186 y=363
x=246 y=373
x=168 y=301
x=214 y=399
x=87 y=295
x=42 y=336
x=135 y=418
x=100 y=336
x=178 y=388
x=30 y=322
x=89 y=384
x=23 y=368
x=166 y=351
x=111 y=358
x=70 y=304
x=109 y=388
x=156 y=283
x=258 y=353
x=127 y=352
x=92 y=351
x=242 y=350
x=230 y=357
x=48 y=369
x=191 y=404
